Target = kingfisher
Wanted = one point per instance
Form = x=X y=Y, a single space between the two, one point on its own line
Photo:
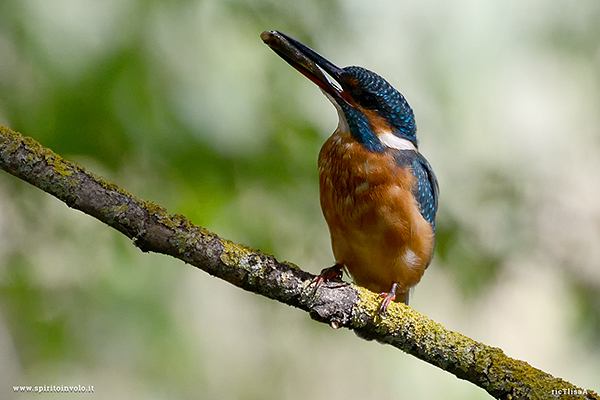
x=378 y=194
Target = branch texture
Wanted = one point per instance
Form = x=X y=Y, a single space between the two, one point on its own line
x=339 y=304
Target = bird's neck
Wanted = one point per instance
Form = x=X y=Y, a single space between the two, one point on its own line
x=372 y=131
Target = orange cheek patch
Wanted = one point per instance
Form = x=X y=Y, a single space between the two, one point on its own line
x=379 y=125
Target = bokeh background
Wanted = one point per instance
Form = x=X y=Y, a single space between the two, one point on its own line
x=181 y=103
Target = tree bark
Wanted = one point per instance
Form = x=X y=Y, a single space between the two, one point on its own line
x=336 y=303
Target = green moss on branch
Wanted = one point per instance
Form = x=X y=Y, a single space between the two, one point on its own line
x=152 y=229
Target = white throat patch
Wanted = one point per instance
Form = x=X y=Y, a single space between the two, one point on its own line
x=388 y=139
x=395 y=142
x=342 y=122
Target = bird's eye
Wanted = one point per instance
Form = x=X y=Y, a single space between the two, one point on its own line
x=367 y=100
x=364 y=98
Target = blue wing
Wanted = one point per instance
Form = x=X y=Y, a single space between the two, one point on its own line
x=426 y=187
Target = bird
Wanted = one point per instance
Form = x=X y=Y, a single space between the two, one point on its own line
x=378 y=193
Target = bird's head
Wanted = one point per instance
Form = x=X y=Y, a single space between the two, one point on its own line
x=376 y=114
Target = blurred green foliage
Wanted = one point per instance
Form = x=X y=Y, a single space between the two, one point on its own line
x=181 y=103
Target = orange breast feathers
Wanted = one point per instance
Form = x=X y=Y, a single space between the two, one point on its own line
x=377 y=231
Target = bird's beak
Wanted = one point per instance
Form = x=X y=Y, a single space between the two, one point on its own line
x=310 y=63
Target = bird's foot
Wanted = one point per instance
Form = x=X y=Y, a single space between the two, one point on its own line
x=387 y=300
x=327 y=275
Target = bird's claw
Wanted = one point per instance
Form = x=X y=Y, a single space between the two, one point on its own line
x=387 y=300
x=326 y=275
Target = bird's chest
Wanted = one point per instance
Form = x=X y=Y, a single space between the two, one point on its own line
x=358 y=186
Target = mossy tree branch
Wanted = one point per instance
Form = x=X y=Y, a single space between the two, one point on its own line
x=340 y=305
